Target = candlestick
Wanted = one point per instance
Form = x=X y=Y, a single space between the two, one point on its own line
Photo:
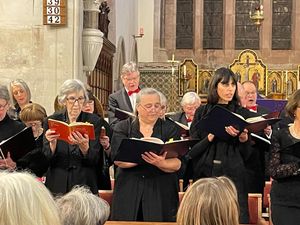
x=141 y=31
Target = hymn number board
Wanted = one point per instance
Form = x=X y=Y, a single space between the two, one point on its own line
x=54 y=12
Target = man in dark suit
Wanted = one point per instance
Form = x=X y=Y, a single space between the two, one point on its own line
x=258 y=162
x=189 y=103
x=124 y=98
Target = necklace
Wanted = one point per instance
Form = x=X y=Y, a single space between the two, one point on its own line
x=293 y=132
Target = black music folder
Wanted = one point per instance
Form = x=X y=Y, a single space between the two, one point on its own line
x=219 y=118
x=19 y=144
x=123 y=114
x=131 y=149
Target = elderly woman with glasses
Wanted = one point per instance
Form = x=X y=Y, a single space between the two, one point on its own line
x=75 y=163
x=8 y=126
x=148 y=191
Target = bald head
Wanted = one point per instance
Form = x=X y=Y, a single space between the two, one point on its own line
x=250 y=93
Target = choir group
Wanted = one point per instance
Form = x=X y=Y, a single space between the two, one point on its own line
x=223 y=171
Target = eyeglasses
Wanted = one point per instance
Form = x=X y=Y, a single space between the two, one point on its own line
x=148 y=107
x=33 y=124
x=3 y=106
x=250 y=93
x=131 y=79
x=21 y=91
x=89 y=102
x=72 y=100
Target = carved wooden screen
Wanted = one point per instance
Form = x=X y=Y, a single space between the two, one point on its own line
x=101 y=78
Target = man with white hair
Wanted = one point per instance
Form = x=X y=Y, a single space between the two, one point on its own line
x=189 y=103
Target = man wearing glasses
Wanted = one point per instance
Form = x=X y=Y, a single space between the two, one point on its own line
x=124 y=98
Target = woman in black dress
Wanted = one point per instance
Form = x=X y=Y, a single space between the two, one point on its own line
x=285 y=168
x=146 y=192
x=76 y=163
x=213 y=156
x=8 y=126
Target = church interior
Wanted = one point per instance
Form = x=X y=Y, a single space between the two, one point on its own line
x=177 y=43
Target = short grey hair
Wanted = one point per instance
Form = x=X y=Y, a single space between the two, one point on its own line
x=163 y=99
x=80 y=206
x=129 y=67
x=23 y=85
x=71 y=86
x=4 y=94
x=190 y=98
x=146 y=91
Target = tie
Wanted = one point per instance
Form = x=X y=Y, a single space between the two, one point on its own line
x=135 y=91
x=253 y=108
x=189 y=120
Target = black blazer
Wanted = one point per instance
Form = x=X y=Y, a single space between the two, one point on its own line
x=119 y=99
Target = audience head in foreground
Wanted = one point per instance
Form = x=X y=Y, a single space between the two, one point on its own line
x=209 y=201
x=25 y=201
x=80 y=206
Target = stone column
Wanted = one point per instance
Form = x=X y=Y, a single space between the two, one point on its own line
x=92 y=37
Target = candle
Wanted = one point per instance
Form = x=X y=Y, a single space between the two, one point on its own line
x=184 y=70
x=173 y=57
x=141 y=31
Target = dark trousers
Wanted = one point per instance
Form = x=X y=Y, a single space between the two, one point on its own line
x=285 y=215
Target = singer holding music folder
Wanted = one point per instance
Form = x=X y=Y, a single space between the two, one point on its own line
x=149 y=191
x=8 y=126
x=213 y=156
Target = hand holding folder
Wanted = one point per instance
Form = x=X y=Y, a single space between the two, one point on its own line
x=131 y=149
x=219 y=118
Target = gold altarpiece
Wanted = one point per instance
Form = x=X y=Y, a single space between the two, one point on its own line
x=175 y=79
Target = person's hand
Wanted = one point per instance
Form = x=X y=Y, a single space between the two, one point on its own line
x=154 y=159
x=210 y=137
x=52 y=136
x=7 y=163
x=104 y=141
x=268 y=131
x=124 y=165
x=232 y=131
x=76 y=138
x=244 y=136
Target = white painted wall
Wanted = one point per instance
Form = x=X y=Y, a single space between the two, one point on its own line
x=146 y=20
x=42 y=55
x=126 y=22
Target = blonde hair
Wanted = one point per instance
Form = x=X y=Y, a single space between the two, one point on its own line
x=22 y=84
x=209 y=201
x=80 y=206
x=25 y=201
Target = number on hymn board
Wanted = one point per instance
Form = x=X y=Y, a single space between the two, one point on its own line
x=53 y=2
x=53 y=10
x=53 y=19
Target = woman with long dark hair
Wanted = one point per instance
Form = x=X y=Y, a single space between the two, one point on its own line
x=213 y=156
